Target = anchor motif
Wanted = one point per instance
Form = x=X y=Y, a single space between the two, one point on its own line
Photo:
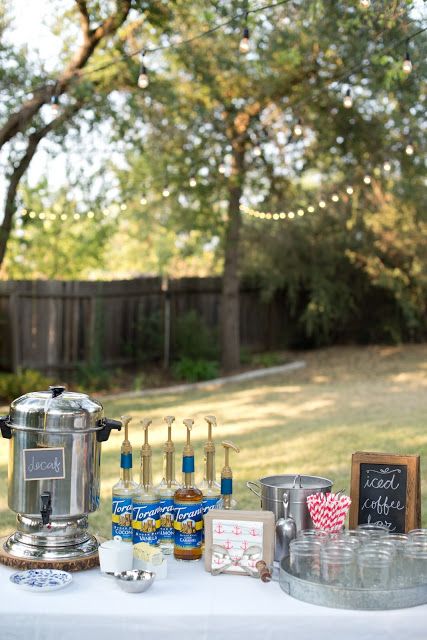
x=237 y=530
x=219 y=528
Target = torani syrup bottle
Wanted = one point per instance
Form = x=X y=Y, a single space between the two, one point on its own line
x=121 y=515
x=209 y=487
x=188 y=508
x=146 y=504
x=228 y=502
x=166 y=491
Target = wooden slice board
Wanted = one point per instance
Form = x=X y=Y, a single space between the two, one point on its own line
x=69 y=564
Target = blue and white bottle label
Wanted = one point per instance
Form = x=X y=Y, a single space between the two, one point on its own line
x=146 y=522
x=211 y=503
x=167 y=517
x=122 y=518
x=188 y=525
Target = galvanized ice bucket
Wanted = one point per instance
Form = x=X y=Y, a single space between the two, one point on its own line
x=272 y=489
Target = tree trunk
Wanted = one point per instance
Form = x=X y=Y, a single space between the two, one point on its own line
x=230 y=310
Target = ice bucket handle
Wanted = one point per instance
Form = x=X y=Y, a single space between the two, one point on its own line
x=5 y=429
x=106 y=425
x=250 y=485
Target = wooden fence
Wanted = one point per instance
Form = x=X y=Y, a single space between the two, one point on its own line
x=53 y=326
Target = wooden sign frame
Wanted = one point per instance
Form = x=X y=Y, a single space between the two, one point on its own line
x=413 y=484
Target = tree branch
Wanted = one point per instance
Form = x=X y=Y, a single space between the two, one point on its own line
x=19 y=120
x=33 y=142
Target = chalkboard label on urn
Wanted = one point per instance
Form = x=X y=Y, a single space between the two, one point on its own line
x=44 y=464
x=385 y=490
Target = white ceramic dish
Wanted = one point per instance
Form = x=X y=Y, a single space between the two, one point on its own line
x=40 y=580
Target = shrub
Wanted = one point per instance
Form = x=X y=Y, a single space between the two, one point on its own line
x=195 y=370
x=194 y=339
x=92 y=377
x=268 y=359
x=13 y=385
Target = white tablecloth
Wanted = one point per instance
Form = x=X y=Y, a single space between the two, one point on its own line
x=189 y=604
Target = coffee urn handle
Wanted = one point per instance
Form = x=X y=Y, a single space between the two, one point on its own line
x=5 y=429
x=107 y=425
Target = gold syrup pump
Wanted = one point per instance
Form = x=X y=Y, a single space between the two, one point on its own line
x=210 y=488
x=188 y=507
x=228 y=501
x=166 y=491
x=146 y=503
x=123 y=490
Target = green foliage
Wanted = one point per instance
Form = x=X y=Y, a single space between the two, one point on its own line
x=267 y=359
x=14 y=385
x=150 y=331
x=193 y=339
x=245 y=355
x=92 y=377
x=192 y=370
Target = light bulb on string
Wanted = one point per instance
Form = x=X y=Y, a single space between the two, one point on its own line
x=367 y=179
x=350 y=191
x=143 y=80
x=221 y=168
x=244 y=45
x=310 y=209
x=365 y=4
x=387 y=166
x=409 y=149
x=257 y=152
x=322 y=204
x=166 y=192
x=298 y=130
x=348 y=100
x=335 y=197
x=54 y=105
x=407 y=62
x=143 y=200
x=192 y=182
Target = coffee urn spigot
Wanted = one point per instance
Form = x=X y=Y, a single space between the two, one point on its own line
x=46 y=506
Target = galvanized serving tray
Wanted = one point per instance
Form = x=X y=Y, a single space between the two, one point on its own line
x=342 y=598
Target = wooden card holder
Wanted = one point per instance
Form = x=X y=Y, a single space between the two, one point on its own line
x=385 y=489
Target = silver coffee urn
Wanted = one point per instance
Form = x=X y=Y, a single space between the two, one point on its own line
x=54 y=473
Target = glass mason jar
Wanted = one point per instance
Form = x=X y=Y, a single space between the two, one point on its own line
x=373 y=530
x=337 y=565
x=374 y=568
x=304 y=559
x=414 y=563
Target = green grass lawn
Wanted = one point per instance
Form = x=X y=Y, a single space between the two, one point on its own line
x=309 y=421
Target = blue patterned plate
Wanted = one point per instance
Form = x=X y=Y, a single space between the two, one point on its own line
x=41 y=579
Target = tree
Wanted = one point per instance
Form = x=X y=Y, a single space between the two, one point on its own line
x=25 y=125
x=213 y=103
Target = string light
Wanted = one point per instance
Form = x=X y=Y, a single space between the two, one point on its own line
x=300 y=212
x=123 y=207
x=143 y=80
x=192 y=182
x=322 y=204
x=90 y=214
x=143 y=200
x=257 y=151
x=387 y=166
x=348 y=100
x=335 y=197
x=409 y=149
x=64 y=216
x=310 y=209
x=367 y=179
x=33 y=214
x=54 y=105
x=365 y=4
x=298 y=130
x=407 y=63
x=76 y=216
x=166 y=193
x=244 y=45
x=291 y=215
x=350 y=191
x=221 y=168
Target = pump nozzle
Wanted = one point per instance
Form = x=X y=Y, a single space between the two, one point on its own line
x=211 y=420
x=227 y=474
x=169 y=451
x=146 y=453
x=188 y=454
x=126 y=446
x=210 y=451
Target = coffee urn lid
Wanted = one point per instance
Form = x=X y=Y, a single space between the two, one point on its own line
x=56 y=410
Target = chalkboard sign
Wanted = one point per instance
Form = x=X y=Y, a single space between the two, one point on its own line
x=44 y=464
x=385 y=489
